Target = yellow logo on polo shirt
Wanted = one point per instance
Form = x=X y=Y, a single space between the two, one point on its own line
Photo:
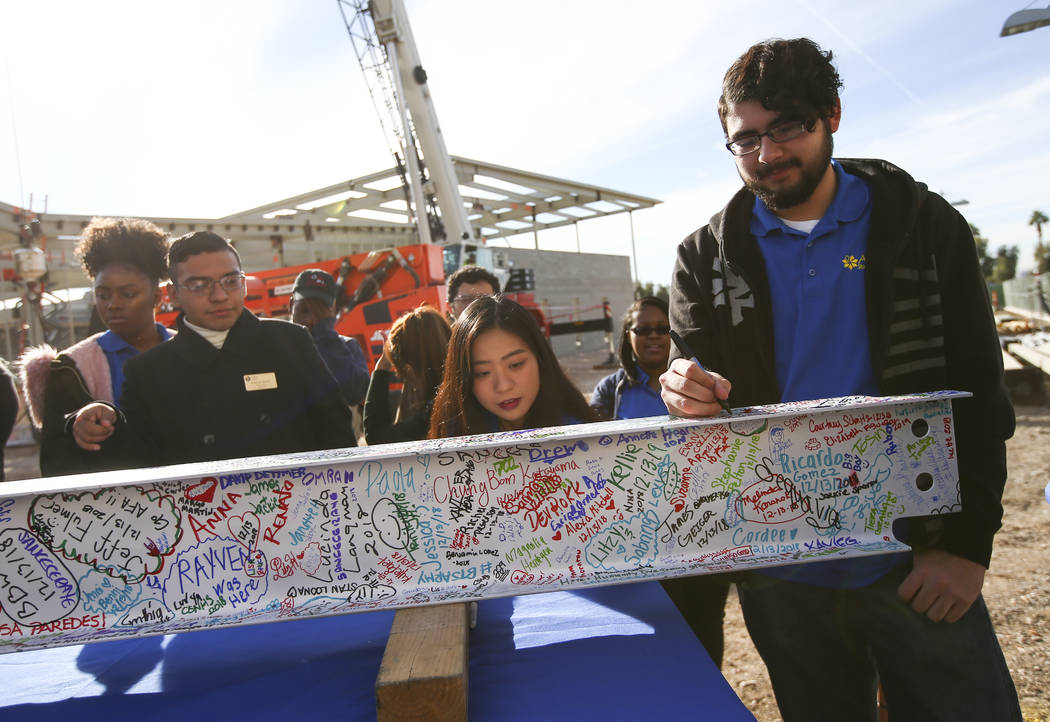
x=851 y=262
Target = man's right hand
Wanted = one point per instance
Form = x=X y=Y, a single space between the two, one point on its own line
x=688 y=390
x=93 y=425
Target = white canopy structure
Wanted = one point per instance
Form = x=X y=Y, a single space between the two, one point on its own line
x=356 y=215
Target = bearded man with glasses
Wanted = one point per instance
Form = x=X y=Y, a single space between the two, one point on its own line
x=233 y=386
x=825 y=278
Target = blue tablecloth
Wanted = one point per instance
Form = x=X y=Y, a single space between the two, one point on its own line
x=616 y=653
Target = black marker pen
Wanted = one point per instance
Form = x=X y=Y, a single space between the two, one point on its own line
x=686 y=351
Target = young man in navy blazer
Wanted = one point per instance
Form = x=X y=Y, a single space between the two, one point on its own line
x=229 y=385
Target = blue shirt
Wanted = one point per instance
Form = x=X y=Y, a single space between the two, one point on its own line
x=817 y=284
x=118 y=351
x=344 y=359
x=820 y=331
x=640 y=400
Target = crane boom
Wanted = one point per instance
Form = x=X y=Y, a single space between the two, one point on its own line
x=386 y=50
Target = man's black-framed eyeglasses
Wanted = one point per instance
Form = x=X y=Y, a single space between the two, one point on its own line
x=779 y=133
x=229 y=283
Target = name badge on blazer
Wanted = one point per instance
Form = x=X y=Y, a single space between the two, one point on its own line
x=260 y=382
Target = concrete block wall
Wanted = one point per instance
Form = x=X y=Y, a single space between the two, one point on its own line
x=566 y=281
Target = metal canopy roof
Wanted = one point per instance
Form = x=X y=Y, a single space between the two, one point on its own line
x=359 y=214
x=501 y=202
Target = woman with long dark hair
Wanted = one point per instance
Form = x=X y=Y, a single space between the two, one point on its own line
x=501 y=375
x=415 y=351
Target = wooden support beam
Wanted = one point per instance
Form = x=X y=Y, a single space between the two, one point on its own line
x=1035 y=356
x=1010 y=363
x=1025 y=382
x=424 y=671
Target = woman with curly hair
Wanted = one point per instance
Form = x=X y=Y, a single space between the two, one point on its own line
x=415 y=351
x=501 y=375
x=126 y=261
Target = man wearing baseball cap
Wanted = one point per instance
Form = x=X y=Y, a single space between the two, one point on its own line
x=313 y=306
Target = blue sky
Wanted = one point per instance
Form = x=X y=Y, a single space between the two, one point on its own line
x=202 y=108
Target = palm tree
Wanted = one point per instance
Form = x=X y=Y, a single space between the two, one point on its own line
x=1042 y=258
x=1038 y=219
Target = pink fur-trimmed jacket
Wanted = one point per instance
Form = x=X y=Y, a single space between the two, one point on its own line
x=57 y=384
x=90 y=361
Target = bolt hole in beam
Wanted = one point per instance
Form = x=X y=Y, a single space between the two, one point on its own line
x=924 y=481
x=920 y=428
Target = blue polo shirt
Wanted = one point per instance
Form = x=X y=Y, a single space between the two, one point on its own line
x=640 y=400
x=817 y=282
x=820 y=331
x=118 y=351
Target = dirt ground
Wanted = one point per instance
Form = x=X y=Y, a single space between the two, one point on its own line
x=1017 y=587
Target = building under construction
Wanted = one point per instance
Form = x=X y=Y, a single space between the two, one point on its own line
x=362 y=214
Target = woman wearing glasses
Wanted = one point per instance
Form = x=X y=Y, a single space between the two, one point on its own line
x=126 y=261
x=634 y=392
